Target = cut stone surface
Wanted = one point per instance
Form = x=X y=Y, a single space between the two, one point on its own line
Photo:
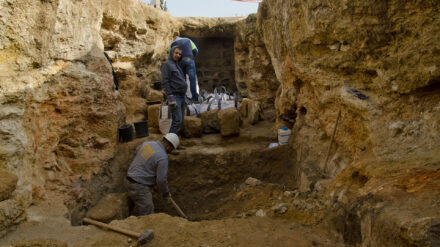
x=192 y=127
x=229 y=121
x=210 y=121
x=153 y=116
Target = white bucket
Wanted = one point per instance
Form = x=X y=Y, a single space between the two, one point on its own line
x=283 y=135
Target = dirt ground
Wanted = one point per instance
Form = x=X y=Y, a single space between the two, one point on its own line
x=48 y=221
x=208 y=180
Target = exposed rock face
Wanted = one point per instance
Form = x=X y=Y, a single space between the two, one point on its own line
x=8 y=183
x=322 y=52
x=60 y=112
x=137 y=38
x=254 y=74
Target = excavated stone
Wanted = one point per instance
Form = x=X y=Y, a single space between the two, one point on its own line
x=229 y=121
x=210 y=121
x=113 y=206
x=252 y=181
x=8 y=183
x=280 y=208
x=192 y=127
x=153 y=116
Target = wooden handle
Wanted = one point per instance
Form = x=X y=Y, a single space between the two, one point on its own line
x=113 y=228
x=331 y=141
x=177 y=208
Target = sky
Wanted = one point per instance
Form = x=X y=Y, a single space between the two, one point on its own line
x=209 y=8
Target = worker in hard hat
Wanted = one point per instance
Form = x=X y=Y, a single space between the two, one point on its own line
x=149 y=168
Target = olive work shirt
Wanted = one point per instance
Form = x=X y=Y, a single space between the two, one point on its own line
x=150 y=165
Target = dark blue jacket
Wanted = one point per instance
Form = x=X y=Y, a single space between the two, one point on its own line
x=173 y=78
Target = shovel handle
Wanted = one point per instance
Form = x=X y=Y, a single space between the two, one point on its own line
x=113 y=228
x=177 y=208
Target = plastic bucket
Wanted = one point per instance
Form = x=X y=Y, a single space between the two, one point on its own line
x=141 y=129
x=126 y=133
x=283 y=135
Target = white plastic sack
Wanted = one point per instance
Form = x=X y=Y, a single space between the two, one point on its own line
x=164 y=119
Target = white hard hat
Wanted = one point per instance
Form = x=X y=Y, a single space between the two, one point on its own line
x=173 y=139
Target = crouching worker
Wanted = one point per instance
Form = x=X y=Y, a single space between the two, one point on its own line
x=148 y=168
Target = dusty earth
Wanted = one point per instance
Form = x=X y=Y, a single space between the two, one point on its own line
x=210 y=182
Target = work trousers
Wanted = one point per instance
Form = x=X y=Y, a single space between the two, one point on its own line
x=190 y=70
x=142 y=197
x=177 y=114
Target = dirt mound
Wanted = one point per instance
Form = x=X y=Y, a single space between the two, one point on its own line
x=175 y=231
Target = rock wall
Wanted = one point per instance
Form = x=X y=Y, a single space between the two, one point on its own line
x=136 y=37
x=254 y=74
x=60 y=110
x=386 y=50
x=377 y=62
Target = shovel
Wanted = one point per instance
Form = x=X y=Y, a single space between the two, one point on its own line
x=181 y=213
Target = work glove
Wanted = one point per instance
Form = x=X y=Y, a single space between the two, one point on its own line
x=171 y=101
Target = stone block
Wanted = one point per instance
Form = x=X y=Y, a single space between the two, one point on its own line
x=192 y=127
x=210 y=121
x=153 y=116
x=229 y=122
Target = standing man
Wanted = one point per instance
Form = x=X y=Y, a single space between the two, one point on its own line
x=148 y=168
x=174 y=84
x=189 y=51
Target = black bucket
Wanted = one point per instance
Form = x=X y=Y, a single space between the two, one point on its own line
x=141 y=129
x=157 y=85
x=126 y=133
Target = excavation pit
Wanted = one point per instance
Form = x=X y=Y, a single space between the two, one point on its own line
x=208 y=179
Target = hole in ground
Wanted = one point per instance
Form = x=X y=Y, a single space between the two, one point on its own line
x=207 y=182
x=209 y=185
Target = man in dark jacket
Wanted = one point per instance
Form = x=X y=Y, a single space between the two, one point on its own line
x=189 y=51
x=174 y=84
